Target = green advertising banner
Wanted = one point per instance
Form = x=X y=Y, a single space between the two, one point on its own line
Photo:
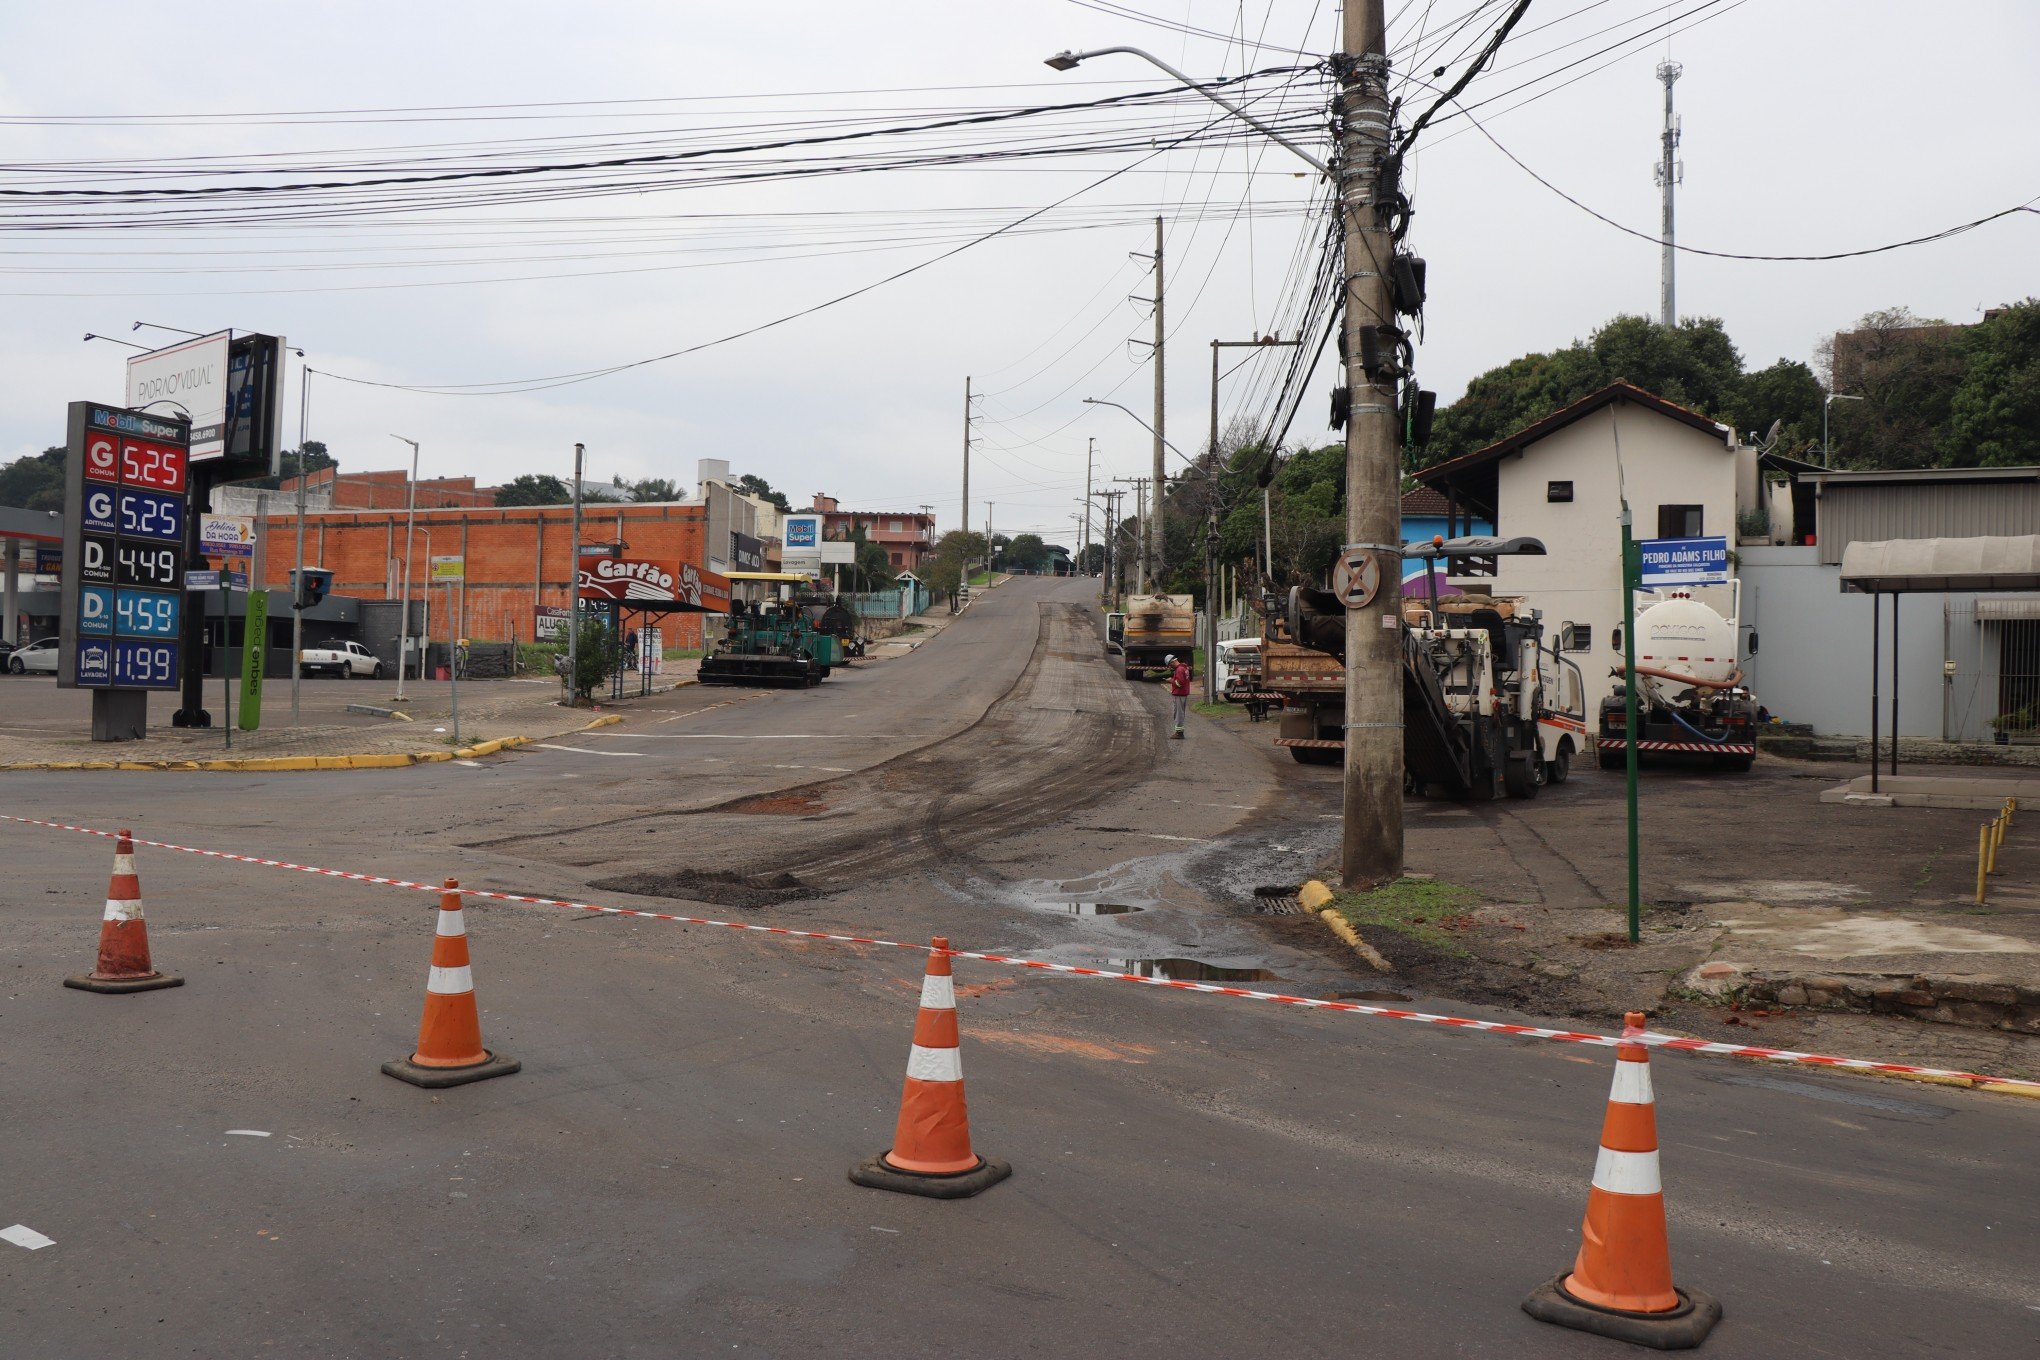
x=254 y=651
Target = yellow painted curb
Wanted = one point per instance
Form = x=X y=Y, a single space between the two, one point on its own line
x=606 y=720
x=2030 y=1090
x=1315 y=896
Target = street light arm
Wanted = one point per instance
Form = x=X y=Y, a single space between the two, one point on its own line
x=1095 y=401
x=1063 y=61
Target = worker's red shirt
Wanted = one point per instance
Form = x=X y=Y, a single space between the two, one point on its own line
x=1179 y=680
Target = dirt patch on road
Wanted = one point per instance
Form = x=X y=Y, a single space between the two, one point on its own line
x=719 y=886
x=795 y=804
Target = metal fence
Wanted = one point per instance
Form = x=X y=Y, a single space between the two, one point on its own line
x=1991 y=689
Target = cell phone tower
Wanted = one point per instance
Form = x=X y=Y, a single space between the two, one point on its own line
x=1670 y=171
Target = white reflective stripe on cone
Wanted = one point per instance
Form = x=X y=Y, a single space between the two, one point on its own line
x=450 y=923
x=938 y=993
x=123 y=909
x=1632 y=1084
x=450 y=981
x=123 y=864
x=1627 y=1173
x=935 y=1064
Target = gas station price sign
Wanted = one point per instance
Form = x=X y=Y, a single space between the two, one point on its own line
x=126 y=513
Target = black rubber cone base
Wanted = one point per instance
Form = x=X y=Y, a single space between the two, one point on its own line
x=880 y=1174
x=1681 y=1329
x=87 y=983
x=437 y=1078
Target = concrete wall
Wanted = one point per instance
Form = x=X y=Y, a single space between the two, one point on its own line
x=1579 y=580
x=1813 y=656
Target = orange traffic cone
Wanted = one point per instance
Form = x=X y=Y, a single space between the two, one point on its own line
x=1621 y=1284
x=931 y=1152
x=450 y=1051
x=124 y=964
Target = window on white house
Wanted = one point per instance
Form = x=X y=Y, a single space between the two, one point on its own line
x=1557 y=492
x=1680 y=521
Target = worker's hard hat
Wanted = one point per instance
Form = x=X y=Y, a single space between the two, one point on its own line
x=1168 y=658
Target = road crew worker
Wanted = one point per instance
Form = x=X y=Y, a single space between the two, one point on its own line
x=1179 y=693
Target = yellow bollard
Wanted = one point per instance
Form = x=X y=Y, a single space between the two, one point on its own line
x=1982 y=862
x=1997 y=838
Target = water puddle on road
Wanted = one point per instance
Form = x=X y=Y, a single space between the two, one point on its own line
x=1091 y=908
x=1192 y=970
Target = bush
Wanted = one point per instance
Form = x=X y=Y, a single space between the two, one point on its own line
x=595 y=660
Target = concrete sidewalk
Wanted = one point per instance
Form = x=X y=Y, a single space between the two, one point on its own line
x=491 y=720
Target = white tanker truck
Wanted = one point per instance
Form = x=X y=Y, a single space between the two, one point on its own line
x=1690 y=696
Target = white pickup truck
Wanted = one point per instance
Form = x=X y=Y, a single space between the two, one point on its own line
x=347 y=660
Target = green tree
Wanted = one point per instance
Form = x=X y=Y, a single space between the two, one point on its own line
x=1027 y=552
x=955 y=553
x=311 y=458
x=1092 y=559
x=751 y=484
x=1786 y=391
x=655 y=489
x=540 y=489
x=1994 y=414
x=35 y=481
x=594 y=656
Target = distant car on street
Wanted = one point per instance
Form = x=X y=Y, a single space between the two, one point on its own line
x=347 y=660
x=40 y=655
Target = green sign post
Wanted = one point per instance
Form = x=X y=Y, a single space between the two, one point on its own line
x=254 y=652
x=1632 y=571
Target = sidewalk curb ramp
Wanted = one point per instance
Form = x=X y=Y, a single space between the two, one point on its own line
x=931 y=1153
x=391 y=760
x=1317 y=901
x=123 y=964
x=1620 y=1285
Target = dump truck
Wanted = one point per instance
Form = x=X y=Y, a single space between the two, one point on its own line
x=1488 y=708
x=1157 y=627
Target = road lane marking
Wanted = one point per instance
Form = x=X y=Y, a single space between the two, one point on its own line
x=771 y=736
x=247 y=1133
x=587 y=750
x=26 y=1237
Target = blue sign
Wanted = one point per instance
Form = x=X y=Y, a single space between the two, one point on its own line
x=149 y=514
x=144 y=665
x=95 y=611
x=1683 y=562
x=143 y=614
x=802 y=531
x=48 y=561
x=96 y=509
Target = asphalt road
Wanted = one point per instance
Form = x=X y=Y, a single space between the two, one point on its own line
x=1193 y=1175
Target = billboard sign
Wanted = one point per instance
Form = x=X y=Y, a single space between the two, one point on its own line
x=1683 y=561
x=638 y=581
x=746 y=552
x=449 y=568
x=231 y=386
x=126 y=506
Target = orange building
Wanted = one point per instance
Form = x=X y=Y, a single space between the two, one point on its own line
x=329 y=488
x=907 y=536
x=516 y=559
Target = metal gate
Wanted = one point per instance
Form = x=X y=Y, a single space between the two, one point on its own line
x=1991 y=672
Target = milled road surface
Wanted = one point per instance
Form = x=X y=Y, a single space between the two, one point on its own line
x=1193 y=1175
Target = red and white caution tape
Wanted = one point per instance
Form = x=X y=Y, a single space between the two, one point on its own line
x=1664 y=1041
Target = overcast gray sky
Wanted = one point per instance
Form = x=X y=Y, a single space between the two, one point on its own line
x=1809 y=126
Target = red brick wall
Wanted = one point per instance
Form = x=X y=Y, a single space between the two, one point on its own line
x=505 y=578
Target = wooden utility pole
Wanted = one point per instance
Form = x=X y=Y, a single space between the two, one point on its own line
x=1371 y=847
x=1151 y=571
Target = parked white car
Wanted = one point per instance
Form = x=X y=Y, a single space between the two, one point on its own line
x=347 y=660
x=36 y=656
